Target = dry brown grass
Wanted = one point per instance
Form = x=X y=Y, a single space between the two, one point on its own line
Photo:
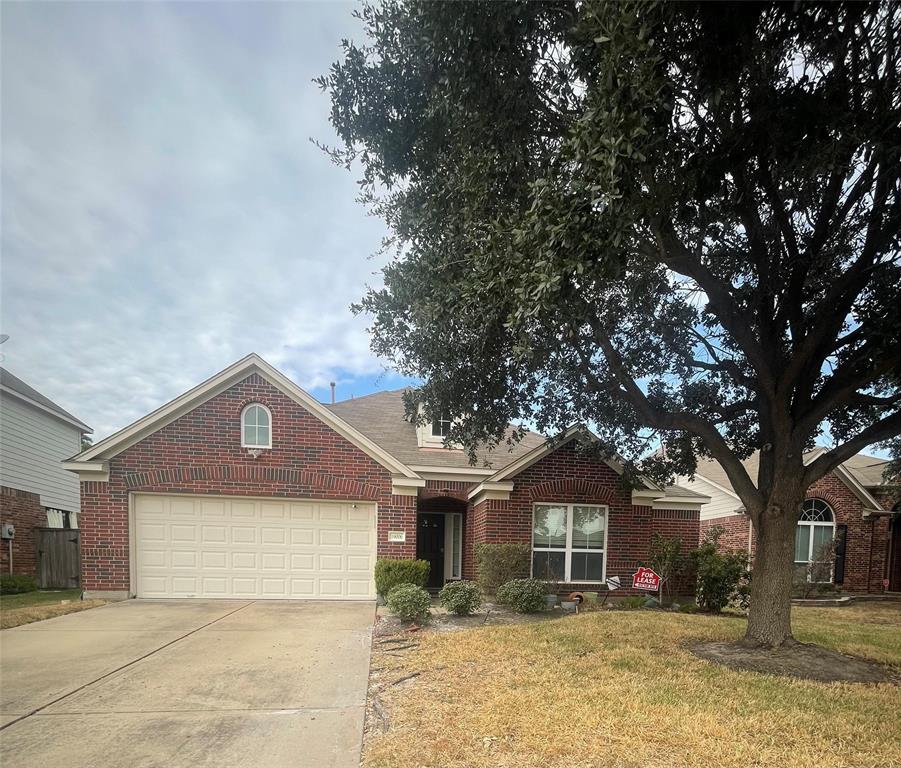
x=16 y=617
x=621 y=690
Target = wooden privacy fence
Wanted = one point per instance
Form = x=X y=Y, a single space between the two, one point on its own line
x=58 y=556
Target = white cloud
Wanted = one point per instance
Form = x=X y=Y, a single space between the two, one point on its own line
x=164 y=212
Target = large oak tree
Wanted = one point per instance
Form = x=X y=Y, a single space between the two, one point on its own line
x=676 y=222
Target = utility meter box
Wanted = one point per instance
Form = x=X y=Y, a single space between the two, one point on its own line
x=7 y=531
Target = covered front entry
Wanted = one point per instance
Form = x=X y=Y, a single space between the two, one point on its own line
x=213 y=546
x=439 y=538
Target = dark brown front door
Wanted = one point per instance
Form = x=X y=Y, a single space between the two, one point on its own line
x=430 y=546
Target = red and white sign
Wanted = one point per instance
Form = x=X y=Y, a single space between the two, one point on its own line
x=646 y=579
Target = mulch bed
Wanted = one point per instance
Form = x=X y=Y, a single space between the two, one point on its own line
x=801 y=660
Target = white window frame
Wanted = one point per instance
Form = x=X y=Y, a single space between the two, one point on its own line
x=811 y=524
x=244 y=411
x=440 y=421
x=568 y=551
x=453 y=567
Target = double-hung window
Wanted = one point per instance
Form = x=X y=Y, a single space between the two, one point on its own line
x=569 y=542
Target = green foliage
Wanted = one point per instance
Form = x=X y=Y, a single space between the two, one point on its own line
x=409 y=602
x=718 y=573
x=632 y=602
x=16 y=584
x=667 y=560
x=461 y=597
x=390 y=573
x=523 y=595
x=499 y=563
x=675 y=221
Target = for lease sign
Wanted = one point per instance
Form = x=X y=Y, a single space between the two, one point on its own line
x=647 y=579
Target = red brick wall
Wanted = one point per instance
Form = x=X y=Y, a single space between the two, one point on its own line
x=867 y=539
x=735 y=531
x=458 y=490
x=201 y=452
x=23 y=509
x=569 y=476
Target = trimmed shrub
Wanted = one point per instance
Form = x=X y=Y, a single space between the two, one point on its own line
x=461 y=597
x=390 y=573
x=523 y=595
x=718 y=573
x=499 y=563
x=409 y=602
x=16 y=584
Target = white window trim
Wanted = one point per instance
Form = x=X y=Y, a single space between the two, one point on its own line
x=811 y=524
x=568 y=551
x=449 y=565
x=244 y=410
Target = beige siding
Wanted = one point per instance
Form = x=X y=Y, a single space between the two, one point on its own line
x=32 y=445
x=721 y=504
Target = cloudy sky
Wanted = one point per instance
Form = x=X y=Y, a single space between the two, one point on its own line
x=163 y=210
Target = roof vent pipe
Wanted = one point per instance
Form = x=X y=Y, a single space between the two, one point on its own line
x=332 y=385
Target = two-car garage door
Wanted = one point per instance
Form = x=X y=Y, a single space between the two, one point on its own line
x=208 y=546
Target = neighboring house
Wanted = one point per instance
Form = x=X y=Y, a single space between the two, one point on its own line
x=852 y=505
x=246 y=486
x=36 y=435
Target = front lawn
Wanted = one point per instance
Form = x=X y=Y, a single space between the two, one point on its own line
x=16 y=610
x=620 y=689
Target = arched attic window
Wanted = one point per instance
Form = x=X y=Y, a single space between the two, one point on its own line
x=256 y=426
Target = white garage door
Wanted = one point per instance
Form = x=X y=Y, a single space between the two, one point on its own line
x=206 y=546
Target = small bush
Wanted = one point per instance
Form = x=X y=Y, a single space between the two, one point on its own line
x=718 y=573
x=523 y=595
x=409 y=602
x=461 y=597
x=390 y=573
x=632 y=602
x=16 y=584
x=499 y=563
x=688 y=608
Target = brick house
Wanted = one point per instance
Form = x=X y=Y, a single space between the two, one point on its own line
x=246 y=486
x=853 y=506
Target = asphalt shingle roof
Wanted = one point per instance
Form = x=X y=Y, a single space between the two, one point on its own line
x=380 y=416
x=867 y=470
x=16 y=384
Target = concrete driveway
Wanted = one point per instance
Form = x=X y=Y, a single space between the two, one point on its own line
x=187 y=683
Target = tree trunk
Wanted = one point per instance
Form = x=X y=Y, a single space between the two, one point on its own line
x=769 y=616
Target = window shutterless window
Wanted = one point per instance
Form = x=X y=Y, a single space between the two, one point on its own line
x=569 y=542
x=256 y=426
x=441 y=427
x=816 y=530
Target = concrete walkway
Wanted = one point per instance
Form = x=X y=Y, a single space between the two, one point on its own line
x=187 y=683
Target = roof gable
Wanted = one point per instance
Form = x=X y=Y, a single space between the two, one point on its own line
x=166 y=414
x=14 y=386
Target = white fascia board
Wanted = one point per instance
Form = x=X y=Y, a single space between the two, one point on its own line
x=81 y=426
x=551 y=445
x=490 y=490
x=424 y=470
x=856 y=488
x=88 y=471
x=226 y=378
x=680 y=503
x=406 y=486
x=723 y=488
x=643 y=497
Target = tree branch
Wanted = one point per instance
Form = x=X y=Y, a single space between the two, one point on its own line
x=882 y=430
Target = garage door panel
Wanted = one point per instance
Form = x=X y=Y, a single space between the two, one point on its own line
x=204 y=546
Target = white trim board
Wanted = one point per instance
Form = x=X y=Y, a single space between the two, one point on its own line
x=238 y=371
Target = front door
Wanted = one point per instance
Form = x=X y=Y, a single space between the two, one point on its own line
x=430 y=546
